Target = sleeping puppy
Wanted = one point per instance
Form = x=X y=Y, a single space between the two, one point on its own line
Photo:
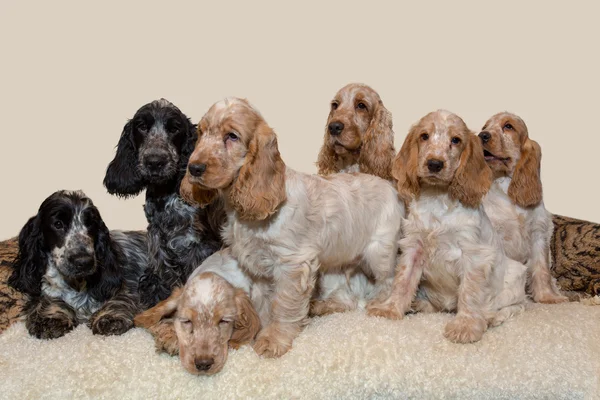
x=74 y=270
x=452 y=259
x=210 y=313
x=515 y=203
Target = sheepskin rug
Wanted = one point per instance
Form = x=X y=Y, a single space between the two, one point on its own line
x=548 y=352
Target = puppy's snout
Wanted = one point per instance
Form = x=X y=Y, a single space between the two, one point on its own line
x=204 y=364
x=485 y=136
x=197 y=169
x=155 y=162
x=336 y=128
x=435 y=165
x=83 y=260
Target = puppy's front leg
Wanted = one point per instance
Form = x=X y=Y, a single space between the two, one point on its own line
x=543 y=289
x=116 y=316
x=404 y=288
x=293 y=289
x=49 y=318
x=470 y=323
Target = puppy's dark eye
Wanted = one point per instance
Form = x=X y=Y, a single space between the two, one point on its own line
x=231 y=136
x=142 y=127
x=455 y=140
x=424 y=136
x=361 y=106
x=334 y=106
x=508 y=126
x=173 y=127
x=59 y=225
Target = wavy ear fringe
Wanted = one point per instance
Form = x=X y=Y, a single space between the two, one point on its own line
x=473 y=177
x=30 y=265
x=404 y=168
x=525 y=188
x=259 y=188
x=122 y=176
x=377 y=153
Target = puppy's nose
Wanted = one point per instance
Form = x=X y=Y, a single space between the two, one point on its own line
x=435 y=165
x=204 y=364
x=197 y=169
x=82 y=260
x=485 y=136
x=335 y=128
x=155 y=162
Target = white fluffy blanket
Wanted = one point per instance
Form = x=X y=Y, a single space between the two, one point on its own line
x=548 y=352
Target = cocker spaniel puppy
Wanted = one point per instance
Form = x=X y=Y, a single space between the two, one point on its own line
x=152 y=154
x=514 y=203
x=285 y=226
x=451 y=253
x=212 y=312
x=74 y=270
x=358 y=138
x=358 y=134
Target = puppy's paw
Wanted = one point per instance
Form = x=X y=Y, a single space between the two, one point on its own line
x=319 y=308
x=165 y=338
x=464 y=329
x=550 y=298
x=271 y=344
x=50 y=328
x=386 y=309
x=107 y=324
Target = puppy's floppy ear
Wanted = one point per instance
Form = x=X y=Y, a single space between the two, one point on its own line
x=31 y=262
x=525 y=189
x=404 y=168
x=377 y=153
x=327 y=156
x=473 y=178
x=164 y=309
x=122 y=175
x=193 y=194
x=108 y=279
x=247 y=322
x=187 y=148
x=259 y=188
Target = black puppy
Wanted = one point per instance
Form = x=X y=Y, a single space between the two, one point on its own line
x=152 y=154
x=74 y=270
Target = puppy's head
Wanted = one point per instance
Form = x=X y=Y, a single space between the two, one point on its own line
x=440 y=151
x=358 y=130
x=209 y=315
x=236 y=152
x=153 y=149
x=509 y=152
x=69 y=235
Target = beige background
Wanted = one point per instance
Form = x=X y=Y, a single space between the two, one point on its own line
x=72 y=73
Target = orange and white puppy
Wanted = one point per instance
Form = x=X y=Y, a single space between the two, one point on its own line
x=211 y=312
x=515 y=204
x=452 y=259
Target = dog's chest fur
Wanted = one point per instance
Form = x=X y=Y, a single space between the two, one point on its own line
x=54 y=286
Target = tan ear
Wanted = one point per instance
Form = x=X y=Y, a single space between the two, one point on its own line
x=327 y=157
x=377 y=152
x=247 y=322
x=404 y=167
x=473 y=178
x=193 y=195
x=260 y=186
x=164 y=309
x=525 y=189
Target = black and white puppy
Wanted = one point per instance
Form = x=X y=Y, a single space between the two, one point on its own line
x=74 y=270
x=152 y=154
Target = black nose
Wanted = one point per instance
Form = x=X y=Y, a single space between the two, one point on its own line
x=82 y=260
x=335 y=128
x=435 y=165
x=155 y=162
x=204 y=364
x=485 y=136
x=197 y=169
